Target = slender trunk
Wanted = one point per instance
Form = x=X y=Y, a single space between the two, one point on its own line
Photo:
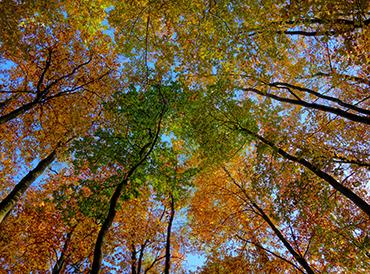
x=343 y=160
x=115 y=198
x=60 y=262
x=282 y=85
x=14 y=196
x=334 y=110
x=365 y=207
x=105 y=227
x=258 y=245
x=154 y=262
x=111 y=214
x=141 y=255
x=15 y=113
x=300 y=259
x=168 y=238
x=58 y=265
x=133 y=260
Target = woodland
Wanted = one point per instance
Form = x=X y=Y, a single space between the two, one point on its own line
x=177 y=136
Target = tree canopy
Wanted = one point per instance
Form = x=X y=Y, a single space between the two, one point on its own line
x=137 y=135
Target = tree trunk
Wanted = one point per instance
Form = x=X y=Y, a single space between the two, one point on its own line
x=168 y=238
x=282 y=85
x=333 y=110
x=141 y=255
x=300 y=259
x=19 y=111
x=133 y=260
x=365 y=207
x=105 y=227
x=60 y=262
x=14 y=196
x=115 y=198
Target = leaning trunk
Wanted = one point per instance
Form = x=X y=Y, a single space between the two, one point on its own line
x=14 y=196
x=365 y=207
x=17 y=112
x=302 y=261
x=105 y=227
x=59 y=265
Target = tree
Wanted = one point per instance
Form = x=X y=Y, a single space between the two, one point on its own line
x=268 y=116
x=49 y=82
x=242 y=229
x=14 y=196
x=45 y=232
x=228 y=112
x=128 y=144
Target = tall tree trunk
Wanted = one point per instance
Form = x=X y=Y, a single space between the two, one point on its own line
x=111 y=214
x=112 y=211
x=334 y=110
x=365 y=207
x=167 y=265
x=105 y=227
x=60 y=262
x=117 y=194
x=14 y=196
x=141 y=255
x=133 y=260
x=300 y=259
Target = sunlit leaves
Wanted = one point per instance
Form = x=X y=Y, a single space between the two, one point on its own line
x=98 y=71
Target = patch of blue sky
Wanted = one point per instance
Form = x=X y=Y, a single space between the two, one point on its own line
x=6 y=64
x=107 y=29
x=167 y=138
x=193 y=261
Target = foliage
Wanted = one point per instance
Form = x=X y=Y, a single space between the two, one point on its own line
x=237 y=130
